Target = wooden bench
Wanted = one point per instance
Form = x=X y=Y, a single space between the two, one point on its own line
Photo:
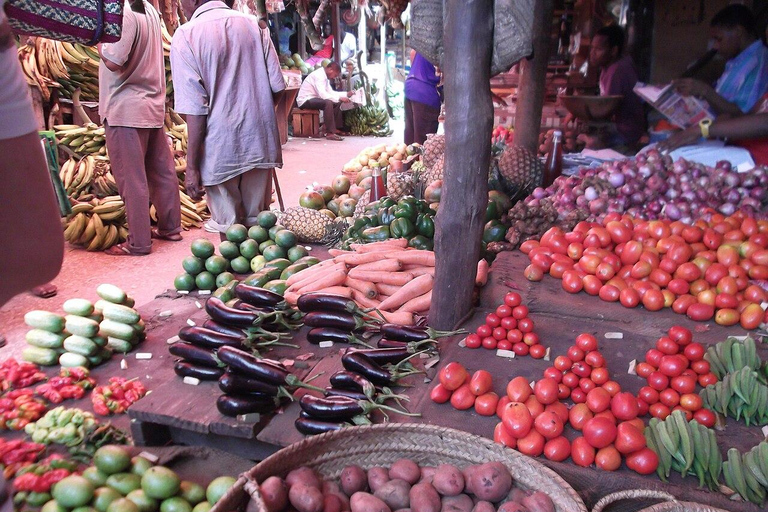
x=306 y=123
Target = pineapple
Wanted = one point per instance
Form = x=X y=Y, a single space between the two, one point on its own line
x=399 y=184
x=362 y=203
x=308 y=224
x=520 y=171
x=433 y=149
x=433 y=172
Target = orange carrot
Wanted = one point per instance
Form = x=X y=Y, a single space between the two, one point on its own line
x=334 y=278
x=319 y=269
x=337 y=290
x=396 y=278
x=482 y=273
x=390 y=245
x=418 y=304
x=411 y=290
x=366 y=288
x=398 y=317
x=291 y=297
x=337 y=252
x=353 y=258
x=415 y=257
x=363 y=300
x=381 y=265
x=420 y=271
x=386 y=289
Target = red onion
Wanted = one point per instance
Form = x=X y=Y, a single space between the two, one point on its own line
x=724 y=165
x=732 y=179
x=727 y=209
x=616 y=179
x=671 y=211
x=598 y=205
x=590 y=193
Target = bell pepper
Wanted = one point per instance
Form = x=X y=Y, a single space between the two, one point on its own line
x=386 y=202
x=386 y=216
x=406 y=211
x=402 y=228
x=421 y=242
x=425 y=226
x=376 y=234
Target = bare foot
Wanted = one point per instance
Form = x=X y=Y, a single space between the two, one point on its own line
x=45 y=291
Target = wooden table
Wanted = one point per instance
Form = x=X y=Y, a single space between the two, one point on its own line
x=283 y=111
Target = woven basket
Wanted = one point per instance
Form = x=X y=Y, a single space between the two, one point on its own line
x=669 y=504
x=427 y=29
x=381 y=445
x=74 y=21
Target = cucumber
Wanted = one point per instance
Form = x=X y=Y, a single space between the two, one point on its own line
x=98 y=307
x=80 y=307
x=81 y=326
x=277 y=286
x=281 y=263
x=44 y=339
x=111 y=293
x=129 y=302
x=263 y=276
x=309 y=260
x=118 y=345
x=96 y=317
x=139 y=326
x=100 y=341
x=39 y=355
x=69 y=360
x=113 y=329
x=105 y=353
x=120 y=313
x=45 y=320
x=296 y=267
x=95 y=360
x=80 y=345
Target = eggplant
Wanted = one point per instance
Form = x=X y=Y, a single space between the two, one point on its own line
x=311 y=426
x=332 y=408
x=223 y=328
x=326 y=302
x=387 y=343
x=254 y=367
x=320 y=334
x=336 y=319
x=186 y=369
x=206 y=338
x=235 y=405
x=352 y=381
x=233 y=383
x=385 y=355
x=224 y=314
x=258 y=297
x=365 y=366
x=355 y=395
x=413 y=333
x=193 y=354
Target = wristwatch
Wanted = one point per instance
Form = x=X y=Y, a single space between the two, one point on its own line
x=704 y=125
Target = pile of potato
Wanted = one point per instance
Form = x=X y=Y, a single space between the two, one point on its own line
x=404 y=487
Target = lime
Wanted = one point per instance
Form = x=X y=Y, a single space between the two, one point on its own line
x=124 y=482
x=123 y=505
x=184 y=282
x=237 y=233
x=297 y=252
x=258 y=233
x=266 y=243
x=285 y=238
x=258 y=263
x=202 y=248
x=144 y=502
x=229 y=250
x=96 y=477
x=111 y=459
x=193 y=265
x=73 y=491
x=84 y=509
x=266 y=219
x=175 y=504
x=160 y=482
x=249 y=249
x=139 y=465
x=203 y=506
x=218 y=488
x=53 y=506
x=216 y=264
x=192 y=492
x=205 y=281
x=103 y=496
x=277 y=286
x=274 y=229
x=273 y=252
x=225 y=277
x=240 y=265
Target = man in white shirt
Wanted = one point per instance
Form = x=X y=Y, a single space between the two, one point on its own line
x=316 y=94
x=348 y=46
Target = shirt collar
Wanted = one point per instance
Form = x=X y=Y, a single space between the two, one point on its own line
x=746 y=54
x=209 y=6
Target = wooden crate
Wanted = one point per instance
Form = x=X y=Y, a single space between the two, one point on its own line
x=306 y=123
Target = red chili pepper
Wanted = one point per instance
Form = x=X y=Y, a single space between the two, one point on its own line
x=26 y=482
x=99 y=407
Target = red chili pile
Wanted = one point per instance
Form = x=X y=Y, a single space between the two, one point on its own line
x=701 y=270
x=15 y=375
x=40 y=477
x=117 y=396
x=71 y=383
x=18 y=408
x=17 y=453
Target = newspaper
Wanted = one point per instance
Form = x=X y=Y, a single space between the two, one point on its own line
x=356 y=100
x=682 y=111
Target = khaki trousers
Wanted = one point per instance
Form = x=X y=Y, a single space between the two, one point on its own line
x=240 y=199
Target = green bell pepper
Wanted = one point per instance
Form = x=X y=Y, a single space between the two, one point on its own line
x=402 y=228
x=406 y=211
x=376 y=234
x=425 y=225
x=386 y=217
x=386 y=202
x=421 y=242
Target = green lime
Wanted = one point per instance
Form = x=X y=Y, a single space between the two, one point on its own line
x=53 y=506
x=203 y=506
x=297 y=252
x=218 y=488
x=123 y=505
x=229 y=250
x=111 y=459
x=273 y=252
x=84 y=509
x=175 y=504
x=202 y=248
x=249 y=249
x=225 y=277
x=274 y=229
x=193 y=265
x=216 y=265
x=237 y=233
x=286 y=238
x=103 y=496
x=258 y=233
x=139 y=465
x=96 y=477
x=160 y=483
x=205 y=281
x=192 y=492
x=144 y=502
x=266 y=243
x=124 y=482
x=73 y=491
x=258 y=263
x=240 y=265
x=184 y=282
x=266 y=219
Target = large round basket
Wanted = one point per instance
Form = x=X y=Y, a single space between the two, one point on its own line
x=381 y=445
x=669 y=503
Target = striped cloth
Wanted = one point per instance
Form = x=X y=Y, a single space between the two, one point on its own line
x=745 y=78
x=74 y=21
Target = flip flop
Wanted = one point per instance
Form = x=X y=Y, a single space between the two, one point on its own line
x=122 y=250
x=333 y=136
x=45 y=291
x=173 y=237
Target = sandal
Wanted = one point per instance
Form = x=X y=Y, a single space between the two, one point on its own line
x=173 y=237
x=45 y=291
x=123 y=250
x=333 y=136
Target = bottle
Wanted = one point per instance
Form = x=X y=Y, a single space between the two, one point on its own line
x=378 y=190
x=554 y=166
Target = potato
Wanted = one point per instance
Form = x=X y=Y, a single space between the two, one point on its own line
x=490 y=481
x=329 y=487
x=538 y=502
x=353 y=479
x=448 y=480
x=394 y=493
x=427 y=473
x=274 y=492
x=305 y=476
x=306 y=498
x=377 y=477
x=484 y=506
x=344 y=500
x=331 y=503
x=364 y=502
x=517 y=495
x=405 y=469
x=460 y=503
x=511 y=506
x=424 y=498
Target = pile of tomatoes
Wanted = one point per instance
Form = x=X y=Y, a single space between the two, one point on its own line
x=703 y=270
x=672 y=369
x=508 y=328
x=465 y=392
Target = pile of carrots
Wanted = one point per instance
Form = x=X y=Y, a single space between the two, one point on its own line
x=386 y=275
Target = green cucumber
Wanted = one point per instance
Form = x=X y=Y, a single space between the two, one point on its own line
x=277 y=286
x=96 y=317
x=45 y=320
x=95 y=360
x=98 y=306
x=80 y=345
x=263 y=276
x=118 y=345
x=44 y=339
x=120 y=313
x=281 y=263
x=81 y=326
x=117 y=330
x=100 y=341
x=129 y=302
x=296 y=267
x=111 y=293
x=105 y=353
x=70 y=359
x=139 y=326
x=80 y=307
x=39 y=355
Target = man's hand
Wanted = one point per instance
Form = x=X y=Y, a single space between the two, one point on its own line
x=682 y=138
x=350 y=94
x=344 y=100
x=193 y=183
x=692 y=87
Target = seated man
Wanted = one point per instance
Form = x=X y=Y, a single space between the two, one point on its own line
x=316 y=94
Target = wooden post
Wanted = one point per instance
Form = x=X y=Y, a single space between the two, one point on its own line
x=302 y=38
x=362 y=37
x=533 y=76
x=383 y=43
x=336 y=31
x=459 y=223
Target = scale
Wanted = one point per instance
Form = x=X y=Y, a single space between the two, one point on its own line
x=596 y=113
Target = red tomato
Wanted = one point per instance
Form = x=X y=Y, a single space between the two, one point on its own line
x=520 y=349
x=683 y=384
x=669 y=397
x=705 y=417
x=586 y=385
x=595 y=359
x=691 y=402
x=534 y=406
x=560 y=409
x=557 y=449
x=653 y=300
x=629 y=298
x=538 y=351
x=545 y=390
x=658 y=381
x=575 y=354
x=499 y=333
x=484 y=330
x=680 y=335
x=563 y=392
x=608 y=459
x=682 y=303
x=575 y=250
x=629 y=438
x=542 y=261
x=752 y=317
x=533 y=273
x=643 y=461
x=519 y=389
x=501 y=436
x=463 y=399
x=481 y=382
x=509 y=322
x=599 y=376
x=653 y=357
x=490 y=342
x=559 y=267
x=572 y=282
x=527 y=246
x=503 y=311
x=598 y=400
x=562 y=363
x=520 y=312
x=517 y=419
x=612 y=387
x=672 y=366
x=525 y=325
x=439 y=394
x=624 y=406
x=452 y=376
x=648 y=395
x=532 y=444
x=570 y=379
x=644 y=370
x=504 y=345
x=700 y=312
x=579 y=415
x=582 y=452
x=666 y=346
x=581 y=369
x=678 y=286
x=707 y=379
x=605 y=271
x=609 y=293
x=586 y=342
x=599 y=432
x=591 y=285
x=700 y=367
x=514 y=336
x=513 y=299
x=549 y=424
x=485 y=405
x=503 y=401
x=492 y=320
x=660 y=277
x=472 y=341
x=659 y=410
x=727 y=317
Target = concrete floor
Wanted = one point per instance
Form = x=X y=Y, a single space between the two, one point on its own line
x=306 y=161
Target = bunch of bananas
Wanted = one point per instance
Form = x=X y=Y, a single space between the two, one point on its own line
x=687 y=447
x=747 y=473
x=82 y=70
x=82 y=140
x=42 y=65
x=732 y=355
x=193 y=214
x=97 y=224
x=167 y=58
x=103 y=184
x=368 y=120
x=176 y=128
x=739 y=395
x=77 y=175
